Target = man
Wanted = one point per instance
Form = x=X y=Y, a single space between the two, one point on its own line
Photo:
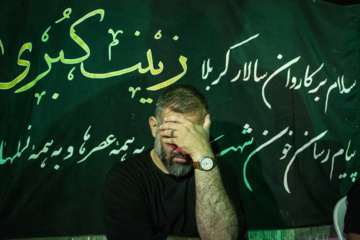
x=352 y=217
x=175 y=190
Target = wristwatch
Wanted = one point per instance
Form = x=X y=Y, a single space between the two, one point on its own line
x=205 y=163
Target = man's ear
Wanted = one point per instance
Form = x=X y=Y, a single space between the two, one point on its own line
x=153 y=125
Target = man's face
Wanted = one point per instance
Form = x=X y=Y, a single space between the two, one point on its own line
x=167 y=154
x=175 y=162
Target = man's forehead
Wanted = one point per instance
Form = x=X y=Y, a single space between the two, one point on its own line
x=197 y=116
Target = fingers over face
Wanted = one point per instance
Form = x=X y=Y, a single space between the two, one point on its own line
x=167 y=128
x=169 y=140
x=175 y=118
x=168 y=132
x=172 y=133
x=171 y=122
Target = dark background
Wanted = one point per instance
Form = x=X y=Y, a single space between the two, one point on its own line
x=55 y=153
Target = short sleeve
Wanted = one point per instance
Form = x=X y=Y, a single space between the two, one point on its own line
x=125 y=213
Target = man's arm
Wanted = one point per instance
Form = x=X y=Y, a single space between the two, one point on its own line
x=215 y=214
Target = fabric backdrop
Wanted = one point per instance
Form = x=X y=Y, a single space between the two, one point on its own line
x=79 y=80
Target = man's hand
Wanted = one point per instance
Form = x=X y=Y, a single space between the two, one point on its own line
x=215 y=215
x=191 y=137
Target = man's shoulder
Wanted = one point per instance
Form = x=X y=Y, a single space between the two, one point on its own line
x=137 y=158
x=134 y=164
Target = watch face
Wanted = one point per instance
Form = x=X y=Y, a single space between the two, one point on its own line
x=206 y=164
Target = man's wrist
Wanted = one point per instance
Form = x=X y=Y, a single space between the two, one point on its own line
x=199 y=156
x=205 y=163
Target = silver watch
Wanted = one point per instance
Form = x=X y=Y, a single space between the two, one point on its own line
x=205 y=164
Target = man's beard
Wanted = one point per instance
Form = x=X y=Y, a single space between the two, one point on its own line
x=175 y=168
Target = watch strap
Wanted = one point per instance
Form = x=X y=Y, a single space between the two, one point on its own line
x=196 y=165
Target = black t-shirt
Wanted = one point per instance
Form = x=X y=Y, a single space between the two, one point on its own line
x=139 y=201
x=352 y=217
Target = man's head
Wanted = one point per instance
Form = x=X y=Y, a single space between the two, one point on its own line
x=180 y=99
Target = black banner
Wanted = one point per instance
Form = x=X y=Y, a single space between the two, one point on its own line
x=79 y=80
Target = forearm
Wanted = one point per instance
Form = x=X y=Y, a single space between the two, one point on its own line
x=215 y=214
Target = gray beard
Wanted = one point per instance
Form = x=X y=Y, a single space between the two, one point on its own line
x=175 y=168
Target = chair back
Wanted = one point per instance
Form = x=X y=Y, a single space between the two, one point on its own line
x=339 y=216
